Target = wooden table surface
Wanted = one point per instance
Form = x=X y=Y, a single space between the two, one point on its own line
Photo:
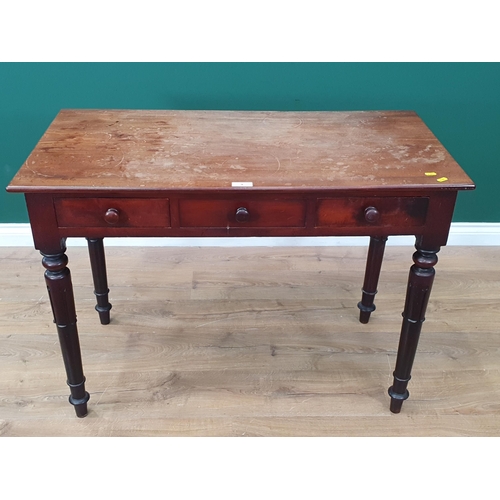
x=130 y=149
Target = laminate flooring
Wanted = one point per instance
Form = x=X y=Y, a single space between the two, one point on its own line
x=251 y=341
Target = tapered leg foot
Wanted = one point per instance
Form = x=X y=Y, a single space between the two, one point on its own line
x=79 y=398
x=101 y=291
x=398 y=394
x=396 y=404
x=81 y=410
x=60 y=289
x=372 y=274
x=420 y=282
x=365 y=312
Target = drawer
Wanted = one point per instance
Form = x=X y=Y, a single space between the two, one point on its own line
x=112 y=212
x=376 y=211
x=244 y=212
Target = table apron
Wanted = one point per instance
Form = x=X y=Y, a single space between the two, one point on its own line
x=247 y=214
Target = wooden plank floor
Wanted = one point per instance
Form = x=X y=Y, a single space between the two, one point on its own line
x=251 y=342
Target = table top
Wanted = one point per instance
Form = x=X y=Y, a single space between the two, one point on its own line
x=93 y=150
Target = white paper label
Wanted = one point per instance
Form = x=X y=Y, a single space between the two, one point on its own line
x=242 y=184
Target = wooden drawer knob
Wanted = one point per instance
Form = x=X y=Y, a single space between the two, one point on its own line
x=372 y=215
x=112 y=216
x=242 y=215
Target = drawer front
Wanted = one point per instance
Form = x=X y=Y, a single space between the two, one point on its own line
x=222 y=213
x=112 y=212
x=375 y=211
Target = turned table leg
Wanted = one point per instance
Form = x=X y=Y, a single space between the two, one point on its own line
x=372 y=274
x=98 y=265
x=60 y=288
x=417 y=296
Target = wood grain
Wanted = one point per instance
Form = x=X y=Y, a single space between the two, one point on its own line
x=186 y=150
x=251 y=342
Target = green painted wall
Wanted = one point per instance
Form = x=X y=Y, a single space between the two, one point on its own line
x=460 y=102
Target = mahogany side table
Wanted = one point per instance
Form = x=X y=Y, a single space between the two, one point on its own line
x=109 y=173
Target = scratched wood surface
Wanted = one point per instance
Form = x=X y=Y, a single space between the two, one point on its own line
x=134 y=149
x=251 y=342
